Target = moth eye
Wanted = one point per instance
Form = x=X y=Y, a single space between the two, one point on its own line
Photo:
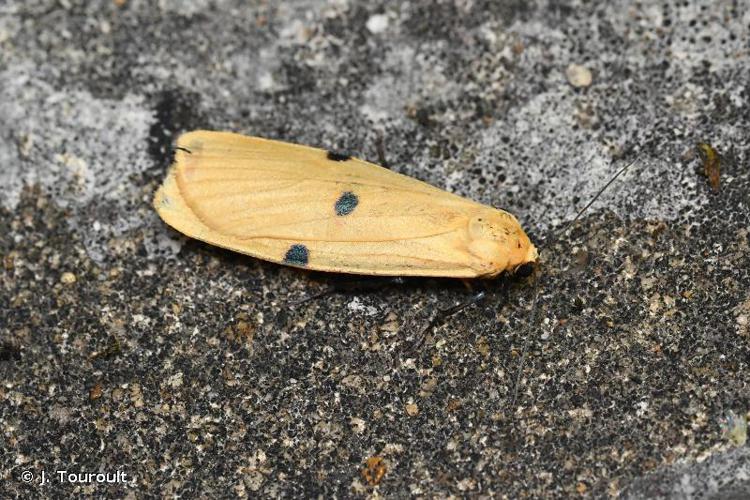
x=524 y=270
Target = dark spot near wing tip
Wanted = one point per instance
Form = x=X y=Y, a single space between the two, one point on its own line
x=173 y=153
x=334 y=156
x=524 y=270
x=346 y=203
x=297 y=255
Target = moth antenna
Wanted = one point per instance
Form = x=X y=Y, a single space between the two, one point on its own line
x=328 y=291
x=598 y=194
x=380 y=146
x=525 y=348
x=534 y=308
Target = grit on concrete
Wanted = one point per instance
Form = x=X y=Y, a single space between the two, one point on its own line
x=127 y=347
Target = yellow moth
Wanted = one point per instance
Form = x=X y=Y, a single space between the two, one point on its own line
x=314 y=209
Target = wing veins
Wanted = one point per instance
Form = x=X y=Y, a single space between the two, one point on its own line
x=281 y=238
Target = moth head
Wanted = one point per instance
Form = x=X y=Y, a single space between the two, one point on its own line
x=499 y=243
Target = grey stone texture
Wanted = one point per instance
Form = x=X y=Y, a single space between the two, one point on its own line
x=620 y=367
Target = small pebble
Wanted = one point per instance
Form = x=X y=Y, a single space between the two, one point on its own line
x=377 y=23
x=412 y=410
x=96 y=391
x=578 y=76
x=67 y=278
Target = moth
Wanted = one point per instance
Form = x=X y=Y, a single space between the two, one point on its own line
x=315 y=209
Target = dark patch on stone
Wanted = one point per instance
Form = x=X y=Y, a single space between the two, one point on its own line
x=174 y=114
x=9 y=352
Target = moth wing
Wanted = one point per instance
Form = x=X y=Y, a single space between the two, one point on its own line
x=295 y=205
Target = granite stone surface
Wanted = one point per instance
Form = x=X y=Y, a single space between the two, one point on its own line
x=171 y=368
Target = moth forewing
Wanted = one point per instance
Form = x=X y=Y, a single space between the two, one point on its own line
x=311 y=208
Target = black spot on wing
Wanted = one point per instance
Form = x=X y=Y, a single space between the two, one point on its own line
x=297 y=255
x=346 y=203
x=337 y=156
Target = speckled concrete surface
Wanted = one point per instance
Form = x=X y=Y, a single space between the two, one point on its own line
x=126 y=347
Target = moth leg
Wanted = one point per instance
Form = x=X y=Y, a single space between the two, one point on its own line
x=363 y=284
x=442 y=315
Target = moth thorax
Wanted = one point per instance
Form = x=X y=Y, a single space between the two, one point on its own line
x=498 y=241
x=488 y=234
x=490 y=226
